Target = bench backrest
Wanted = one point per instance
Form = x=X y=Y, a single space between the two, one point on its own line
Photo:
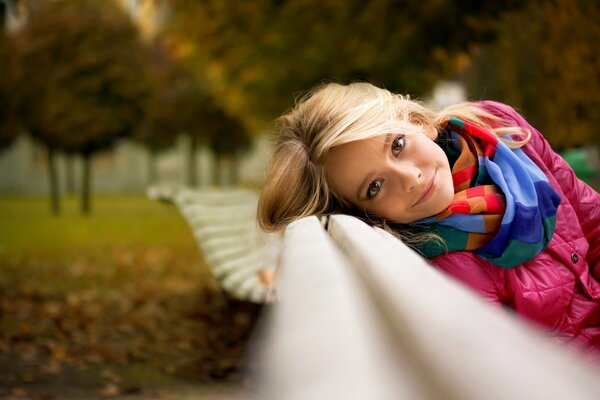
x=241 y=257
x=359 y=315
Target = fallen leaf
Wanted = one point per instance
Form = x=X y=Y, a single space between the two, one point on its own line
x=110 y=390
x=27 y=377
x=52 y=368
x=18 y=392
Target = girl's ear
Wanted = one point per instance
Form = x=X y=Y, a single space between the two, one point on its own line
x=431 y=132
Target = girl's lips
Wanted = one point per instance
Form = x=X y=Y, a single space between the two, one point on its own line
x=428 y=191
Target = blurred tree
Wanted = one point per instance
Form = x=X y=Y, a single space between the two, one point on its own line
x=257 y=54
x=84 y=78
x=179 y=104
x=9 y=95
x=170 y=105
x=546 y=63
x=228 y=139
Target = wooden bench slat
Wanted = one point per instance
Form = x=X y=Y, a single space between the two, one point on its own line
x=325 y=340
x=224 y=225
x=467 y=347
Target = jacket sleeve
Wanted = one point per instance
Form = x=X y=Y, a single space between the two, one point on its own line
x=584 y=199
x=476 y=273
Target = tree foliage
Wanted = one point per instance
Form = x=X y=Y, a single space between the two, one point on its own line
x=172 y=102
x=258 y=54
x=180 y=103
x=84 y=74
x=228 y=139
x=84 y=77
x=228 y=136
x=546 y=63
x=9 y=95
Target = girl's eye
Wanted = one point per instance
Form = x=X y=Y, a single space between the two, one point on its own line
x=373 y=189
x=398 y=144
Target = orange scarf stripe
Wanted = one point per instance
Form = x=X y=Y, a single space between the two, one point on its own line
x=492 y=222
x=477 y=240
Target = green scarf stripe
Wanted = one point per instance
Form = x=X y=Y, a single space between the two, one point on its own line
x=452 y=240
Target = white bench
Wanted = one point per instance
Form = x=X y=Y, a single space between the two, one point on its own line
x=358 y=315
x=241 y=257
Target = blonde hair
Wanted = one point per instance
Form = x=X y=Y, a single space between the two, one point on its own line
x=333 y=114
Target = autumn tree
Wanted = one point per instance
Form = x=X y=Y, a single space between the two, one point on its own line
x=546 y=63
x=166 y=105
x=84 y=80
x=179 y=103
x=258 y=54
x=228 y=140
x=9 y=95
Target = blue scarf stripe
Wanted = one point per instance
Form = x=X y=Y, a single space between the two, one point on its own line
x=515 y=178
x=472 y=222
x=495 y=173
x=530 y=228
x=549 y=199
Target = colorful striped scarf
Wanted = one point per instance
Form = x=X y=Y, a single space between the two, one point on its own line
x=503 y=209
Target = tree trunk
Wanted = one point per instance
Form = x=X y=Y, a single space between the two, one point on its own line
x=54 y=188
x=85 y=185
x=216 y=170
x=227 y=170
x=70 y=174
x=193 y=162
x=234 y=171
x=151 y=166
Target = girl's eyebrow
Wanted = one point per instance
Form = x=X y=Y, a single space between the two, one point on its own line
x=366 y=181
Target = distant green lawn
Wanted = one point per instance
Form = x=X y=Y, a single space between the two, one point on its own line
x=27 y=227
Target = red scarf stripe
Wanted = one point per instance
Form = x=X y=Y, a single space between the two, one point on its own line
x=490 y=151
x=495 y=203
x=491 y=140
x=484 y=134
x=476 y=191
x=461 y=207
x=463 y=177
x=465 y=159
x=484 y=204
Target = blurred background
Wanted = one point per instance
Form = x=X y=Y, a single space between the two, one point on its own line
x=104 y=291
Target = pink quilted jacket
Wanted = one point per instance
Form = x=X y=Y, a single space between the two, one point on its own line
x=559 y=288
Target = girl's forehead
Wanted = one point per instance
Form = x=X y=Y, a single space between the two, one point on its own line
x=351 y=151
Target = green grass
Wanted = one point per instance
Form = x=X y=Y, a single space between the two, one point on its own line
x=27 y=226
x=127 y=280
x=124 y=289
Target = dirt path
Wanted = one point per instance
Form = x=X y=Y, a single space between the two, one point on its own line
x=175 y=392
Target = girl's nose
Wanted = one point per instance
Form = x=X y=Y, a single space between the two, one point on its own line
x=408 y=177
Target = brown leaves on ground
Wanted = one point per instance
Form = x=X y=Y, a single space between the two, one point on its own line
x=141 y=306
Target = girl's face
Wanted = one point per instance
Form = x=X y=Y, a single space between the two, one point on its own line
x=401 y=178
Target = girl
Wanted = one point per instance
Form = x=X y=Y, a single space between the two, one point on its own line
x=474 y=188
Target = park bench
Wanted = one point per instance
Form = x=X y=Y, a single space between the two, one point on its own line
x=356 y=314
x=223 y=221
x=359 y=315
